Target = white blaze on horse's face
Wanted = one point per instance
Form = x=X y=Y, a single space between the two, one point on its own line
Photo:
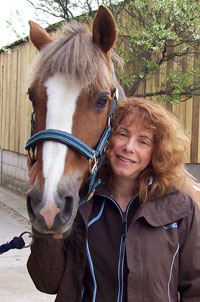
x=61 y=105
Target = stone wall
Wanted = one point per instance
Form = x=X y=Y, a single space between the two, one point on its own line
x=194 y=169
x=13 y=171
x=0 y=167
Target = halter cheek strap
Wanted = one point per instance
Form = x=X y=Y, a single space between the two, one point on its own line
x=96 y=162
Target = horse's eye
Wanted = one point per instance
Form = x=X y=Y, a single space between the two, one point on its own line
x=101 y=101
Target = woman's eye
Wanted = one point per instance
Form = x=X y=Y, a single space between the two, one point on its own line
x=122 y=134
x=143 y=142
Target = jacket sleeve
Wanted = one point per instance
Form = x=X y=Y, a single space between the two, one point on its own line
x=46 y=264
x=189 y=266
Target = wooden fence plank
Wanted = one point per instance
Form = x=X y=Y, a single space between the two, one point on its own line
x=18 y=100
x=182 y=114
x=195 y=130
x=5 y=118
x=1 y=98
x=169 y=68
x=195 y=117
x=188 y=126
x=12 y=100
x=23 y=115
x=3 y=56
x=199 y=139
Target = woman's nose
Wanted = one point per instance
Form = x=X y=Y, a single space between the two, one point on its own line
x=130 y=146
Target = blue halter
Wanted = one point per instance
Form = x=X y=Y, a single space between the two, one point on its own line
x=95 y=156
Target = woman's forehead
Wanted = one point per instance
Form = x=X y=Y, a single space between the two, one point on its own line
x=135 y=128
x=137 y=122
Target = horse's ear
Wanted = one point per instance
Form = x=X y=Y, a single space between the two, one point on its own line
x=104 y=29
x=38 y=35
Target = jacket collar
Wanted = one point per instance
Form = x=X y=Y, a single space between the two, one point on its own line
x=165 y=210
x=157 y=211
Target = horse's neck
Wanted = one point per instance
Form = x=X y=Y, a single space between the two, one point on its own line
x=193 y=189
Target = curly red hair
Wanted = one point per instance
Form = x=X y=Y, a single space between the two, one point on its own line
x=169 y=146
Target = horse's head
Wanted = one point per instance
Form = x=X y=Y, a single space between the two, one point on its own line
x=71 y=90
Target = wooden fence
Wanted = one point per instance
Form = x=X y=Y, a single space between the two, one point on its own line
x=15 y=108
x=187 y=112
x=14 y=105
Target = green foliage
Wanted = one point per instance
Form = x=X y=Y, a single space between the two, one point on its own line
x=157 y=32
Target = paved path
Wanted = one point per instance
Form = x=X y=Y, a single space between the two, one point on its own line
x=15 y=282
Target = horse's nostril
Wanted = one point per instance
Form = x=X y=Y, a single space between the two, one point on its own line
x=68 y=206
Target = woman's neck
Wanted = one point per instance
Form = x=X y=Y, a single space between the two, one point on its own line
x=123 y=191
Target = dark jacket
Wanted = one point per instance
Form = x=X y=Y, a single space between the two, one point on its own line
x=143 y=255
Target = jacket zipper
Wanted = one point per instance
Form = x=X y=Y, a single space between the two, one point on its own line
x=121 y=258
x=124 y=216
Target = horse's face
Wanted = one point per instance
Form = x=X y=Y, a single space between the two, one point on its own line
x=72 y=94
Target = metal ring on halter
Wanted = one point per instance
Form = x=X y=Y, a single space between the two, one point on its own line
x=31 y=155
x=109 y=121
x=30 y=236
x=91 y=168
x=90 y=195
x=105 y=147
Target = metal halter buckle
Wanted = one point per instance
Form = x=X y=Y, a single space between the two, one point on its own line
x=90 y=195
x=93 y=162
x=31 y=155
x=30 y=236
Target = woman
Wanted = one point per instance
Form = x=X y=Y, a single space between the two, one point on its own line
x=139 y=238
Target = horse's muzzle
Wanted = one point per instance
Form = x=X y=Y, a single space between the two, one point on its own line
x=54 y=214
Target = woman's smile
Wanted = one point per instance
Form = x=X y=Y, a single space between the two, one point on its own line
x=125 y=160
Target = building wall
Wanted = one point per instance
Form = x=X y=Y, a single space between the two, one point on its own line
x=14 y=174
x=194 y=169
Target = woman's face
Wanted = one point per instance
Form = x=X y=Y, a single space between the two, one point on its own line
x=131 y=150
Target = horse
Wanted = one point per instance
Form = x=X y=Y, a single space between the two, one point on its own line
x=72 y=89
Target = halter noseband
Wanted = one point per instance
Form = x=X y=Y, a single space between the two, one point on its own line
x=95 y=156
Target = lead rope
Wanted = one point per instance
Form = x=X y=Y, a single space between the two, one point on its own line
x=16 y=243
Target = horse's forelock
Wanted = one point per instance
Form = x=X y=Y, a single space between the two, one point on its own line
x=75 y=56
